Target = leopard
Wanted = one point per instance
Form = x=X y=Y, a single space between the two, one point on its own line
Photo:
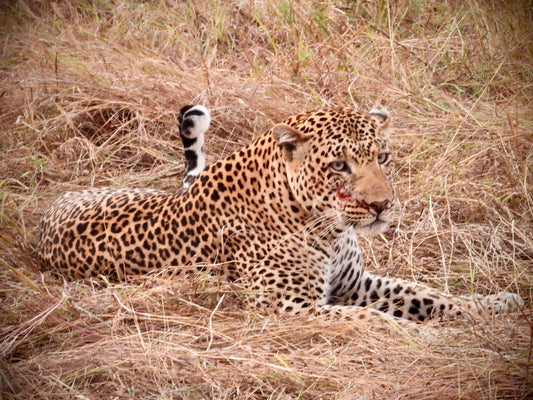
x=281 y=217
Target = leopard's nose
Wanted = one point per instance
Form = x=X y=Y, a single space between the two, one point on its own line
x=379 y=206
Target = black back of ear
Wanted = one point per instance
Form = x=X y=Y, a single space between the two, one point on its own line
x=381 y=116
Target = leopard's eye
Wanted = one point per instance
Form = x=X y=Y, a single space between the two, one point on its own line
x=383 y=158
x=339 y=166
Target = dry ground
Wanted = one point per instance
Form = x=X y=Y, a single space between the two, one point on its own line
x=88 y=97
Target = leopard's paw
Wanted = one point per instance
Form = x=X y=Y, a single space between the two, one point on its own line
x=501 y=303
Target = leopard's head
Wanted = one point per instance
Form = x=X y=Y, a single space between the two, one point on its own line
x=339 y=166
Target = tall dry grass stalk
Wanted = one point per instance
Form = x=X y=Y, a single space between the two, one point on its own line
x=88 y=97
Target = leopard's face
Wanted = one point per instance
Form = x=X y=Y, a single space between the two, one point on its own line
x=339 y=166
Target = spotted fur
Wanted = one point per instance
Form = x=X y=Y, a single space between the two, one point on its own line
x=281 y=216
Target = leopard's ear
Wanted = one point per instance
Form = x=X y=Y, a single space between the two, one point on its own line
x=381 y=117
x=289 y=140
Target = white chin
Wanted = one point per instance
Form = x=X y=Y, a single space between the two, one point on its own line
x=377 y=226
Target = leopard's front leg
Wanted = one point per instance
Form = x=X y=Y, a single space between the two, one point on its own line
x=404 y=299
x=350 y=285
x=395 y=297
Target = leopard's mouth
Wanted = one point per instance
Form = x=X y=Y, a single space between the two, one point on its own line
x=371 y=223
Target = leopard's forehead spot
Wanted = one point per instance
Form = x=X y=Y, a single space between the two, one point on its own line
x=342 y=131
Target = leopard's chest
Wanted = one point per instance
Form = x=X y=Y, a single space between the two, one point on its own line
x=346 y=266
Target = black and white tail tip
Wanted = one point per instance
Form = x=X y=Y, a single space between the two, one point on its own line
x=193 y=122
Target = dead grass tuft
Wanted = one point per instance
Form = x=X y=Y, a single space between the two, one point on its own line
x=89 y=96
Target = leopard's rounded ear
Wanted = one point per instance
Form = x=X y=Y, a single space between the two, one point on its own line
x=380 y=116
x=288 y=138
x=286 y=134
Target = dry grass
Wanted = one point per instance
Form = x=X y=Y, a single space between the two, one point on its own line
x=89 y=95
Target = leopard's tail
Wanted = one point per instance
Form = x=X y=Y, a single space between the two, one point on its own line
x=194 y=121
